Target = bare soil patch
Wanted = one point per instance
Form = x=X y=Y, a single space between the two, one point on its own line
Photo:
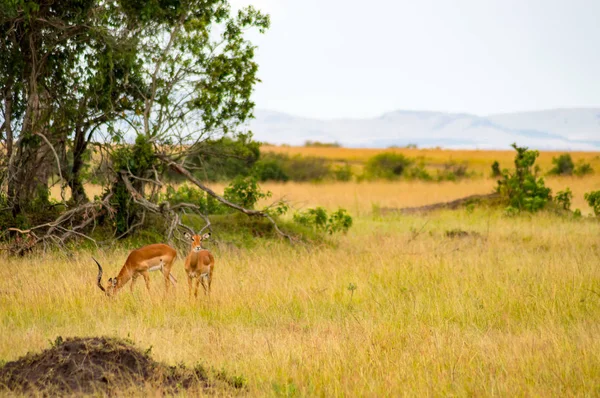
x=452 y=205
x=102 y=365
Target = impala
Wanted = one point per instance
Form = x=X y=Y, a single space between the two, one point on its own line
x=199 y=264
x=140 y=262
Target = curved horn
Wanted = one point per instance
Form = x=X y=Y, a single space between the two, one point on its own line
x=99 y=275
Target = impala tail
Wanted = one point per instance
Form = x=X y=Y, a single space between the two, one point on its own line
x=99 y=275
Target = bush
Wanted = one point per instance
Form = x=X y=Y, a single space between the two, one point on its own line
x=387 y=165
x=520 y=188
x=317 y=218
x=269 y=170
x=593 y=199
x=563 y=165
x=583 y=169
x=279 y=167
x=342 y=173
x=496 y=169
x=318 y=144
x=225 y=158
x=418 y=172
x=563 y=198
x=452 y=172
x=245 y=192
x=186 y=194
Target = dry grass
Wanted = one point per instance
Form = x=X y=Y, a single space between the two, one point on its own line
x=515 y=311
x=478 y=160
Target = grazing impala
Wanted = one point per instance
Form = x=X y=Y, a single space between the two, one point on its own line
x=140 y=262
x=199 y=264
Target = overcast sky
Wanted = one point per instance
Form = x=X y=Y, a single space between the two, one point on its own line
x=348 y=58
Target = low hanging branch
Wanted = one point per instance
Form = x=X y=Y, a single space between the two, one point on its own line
x=64 y=227
x=257 y=213
x=163 y=209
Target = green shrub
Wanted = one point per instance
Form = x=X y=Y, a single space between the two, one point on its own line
x=301 y=168
x=317 y=218
x=563 y=198
x=583 y=169
x=223 y=159
x=342 y=173
x=452 y=172
x=280 y=167
x=520 y=188
x=187 y=194
x=319 y=144
x=593 y=199
x=387 y=165
x=245 y=192
x=418 y=172
x=563 y=165
x=270 y=170
x=496 y=172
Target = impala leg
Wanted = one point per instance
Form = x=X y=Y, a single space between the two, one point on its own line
x=166 y=272
x=146 y=276
x=190 y=283
x=206 y=284
x=133 y=278
x=197 y=285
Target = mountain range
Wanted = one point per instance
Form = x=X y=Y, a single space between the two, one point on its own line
x=555 y=129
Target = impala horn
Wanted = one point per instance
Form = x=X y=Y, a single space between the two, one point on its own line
x=99 y=275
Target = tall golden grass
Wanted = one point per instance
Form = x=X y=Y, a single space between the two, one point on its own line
x=510 y=309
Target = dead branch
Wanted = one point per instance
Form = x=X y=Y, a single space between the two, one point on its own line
x=258 y=213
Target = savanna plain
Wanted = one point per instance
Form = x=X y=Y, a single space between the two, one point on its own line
x=398 y=306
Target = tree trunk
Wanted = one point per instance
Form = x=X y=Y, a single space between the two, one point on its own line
x=79 y=146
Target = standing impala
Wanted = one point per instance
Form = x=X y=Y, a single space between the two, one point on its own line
x=199 y=264
x=140 y=262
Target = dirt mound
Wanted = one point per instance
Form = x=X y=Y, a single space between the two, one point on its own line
x=453 y=205
x=99 y=365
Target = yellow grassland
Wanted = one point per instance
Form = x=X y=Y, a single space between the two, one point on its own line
x=511 y=310
x=478 y=160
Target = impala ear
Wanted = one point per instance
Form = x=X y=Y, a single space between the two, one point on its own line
x=206 y=236
x=187 y=236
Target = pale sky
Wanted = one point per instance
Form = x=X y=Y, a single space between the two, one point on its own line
x=349 y=58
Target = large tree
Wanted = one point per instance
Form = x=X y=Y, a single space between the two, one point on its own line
x=169 y=73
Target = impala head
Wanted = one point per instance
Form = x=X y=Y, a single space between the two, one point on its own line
x=111 y=288
x=197 y=240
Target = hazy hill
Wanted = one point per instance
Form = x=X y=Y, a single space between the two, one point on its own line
x=575 y=129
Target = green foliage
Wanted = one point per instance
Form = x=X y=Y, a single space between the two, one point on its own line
x=318 y=144
x=593 y=199
x=387 y=165
x=342 y=173
x=418 y=172
x=317 y=218
x=520 y=188
x=138 y=159
x=583 y=169
x=225 y=158
x=563 y=199
x=496 y=169
x=279 y=167
x=270 y=169
x=563 y=165
x=187 y=194
x=452 y=171
x=245 y=192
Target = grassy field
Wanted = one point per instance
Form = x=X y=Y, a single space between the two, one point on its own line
x=511 y=308
x=477 y=160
